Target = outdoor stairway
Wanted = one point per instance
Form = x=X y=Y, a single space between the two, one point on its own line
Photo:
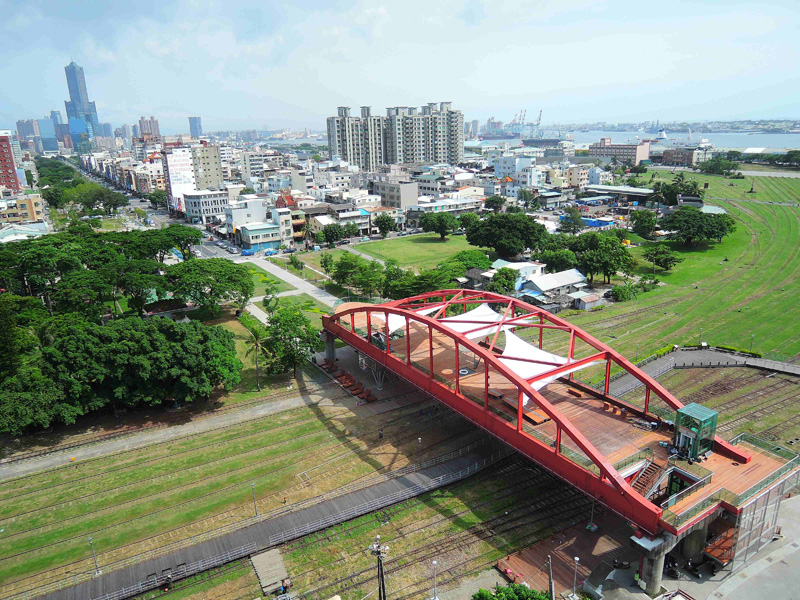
x=648 y=477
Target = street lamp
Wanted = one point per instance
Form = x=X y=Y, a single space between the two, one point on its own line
x=255 y=506
x=575 y=577
x=379 y=552
x=435 y=596
x=94 y=557
x=637 y=352
x=700 y=339
x=752 y=337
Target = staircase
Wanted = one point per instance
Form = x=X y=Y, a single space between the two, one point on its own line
x=648 y=477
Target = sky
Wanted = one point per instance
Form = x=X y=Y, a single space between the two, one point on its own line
x=244 y=64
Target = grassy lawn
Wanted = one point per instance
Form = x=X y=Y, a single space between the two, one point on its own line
x=311 y=308
x=113 y=224
x=143 y=498
x=423 y=251
x=261 y=278
x=768 y=168
x=768 y=189
x=753 y=293
x=312 y=259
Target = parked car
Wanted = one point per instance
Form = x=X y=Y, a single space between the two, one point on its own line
x=364 y=239
x=248 y=252
x=402 y=233
x=289 y=250
x=342 y=242
x=270 y=252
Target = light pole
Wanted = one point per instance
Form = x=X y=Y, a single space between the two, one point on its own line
x=435 y=596
x=94 y=557
x=700 y=339
x=255 y=506
x=752 y=337
x=637 y=352
x=379 y=552
x=575 y=577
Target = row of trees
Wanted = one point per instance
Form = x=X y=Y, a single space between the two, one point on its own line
x=333 y=232
x=62 y=186
x=68 y=348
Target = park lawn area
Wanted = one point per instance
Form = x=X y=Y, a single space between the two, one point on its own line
x=743 y=166
x=423 y=251
x=768 y=189
x=312 y=308
x=751 y=294
x=261 y=278
x=112 y=224
x=312 y=259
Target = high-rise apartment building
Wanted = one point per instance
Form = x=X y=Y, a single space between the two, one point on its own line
x=149 y=128
x=190 y=169
x=8 y=172
x=432 y=134
x=207 y=167
x=195 y=127
x=78 y=106
x=28 y=128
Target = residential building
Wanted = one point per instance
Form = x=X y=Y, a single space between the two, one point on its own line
x=630 y=153
x=302 y=180
x=578 y=176
x=195 y=127
x=527 y=270
x=398 y=194
x=148 y=128
x=27 y=128
x=509 y=166
x=375 y=211
x=207 y=167
x=455 y=206
x=205 y=206
x=683 y=157
x=432 y=134
x=79 y=106
x=268 y=234
x=21 y=208
x=599 y=176
x=8 y=172
x=254 y=164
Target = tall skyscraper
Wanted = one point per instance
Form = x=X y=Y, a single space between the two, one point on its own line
x=78 y=106
x=195 y=127
x=48 y=140
x=8 y=172
x=28 y=128
x=108 y=131
x=149 y=127
x=432 y=134
x=55 y=117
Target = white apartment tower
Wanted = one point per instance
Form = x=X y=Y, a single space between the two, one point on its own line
x=432 y=134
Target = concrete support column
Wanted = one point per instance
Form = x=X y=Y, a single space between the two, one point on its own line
x=652 y=571
x=694 y=543
x=330 y=346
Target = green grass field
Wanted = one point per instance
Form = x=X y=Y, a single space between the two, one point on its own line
x=754 y=293
x=768 y=189
x=311 y=308
x=420 y=252
x=143 y=498
x=261 y=278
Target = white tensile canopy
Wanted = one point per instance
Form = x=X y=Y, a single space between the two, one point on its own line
x=399 y=321
x=470 y=322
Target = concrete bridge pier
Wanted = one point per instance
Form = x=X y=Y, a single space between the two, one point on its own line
x=330 y=346
x=654 y=551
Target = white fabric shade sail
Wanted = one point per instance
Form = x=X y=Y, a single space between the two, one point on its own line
x=399 y=321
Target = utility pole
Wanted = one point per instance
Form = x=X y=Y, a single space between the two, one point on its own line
x=94 y=556
x=752 y=337
x=379 y=552
x=551 y=586
x=575 y=578
x=435 y=595
x=255 y=506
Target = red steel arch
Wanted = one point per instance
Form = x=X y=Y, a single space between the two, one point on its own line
x=609 y=487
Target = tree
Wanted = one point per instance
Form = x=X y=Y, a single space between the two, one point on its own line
x=368 y=277
x=332 y=233
x=503 y=282
x=140 y=280
x=528 y=199
x=316 y=158
x=350 y=230
x=661 y=256
x=247 y=190
x=54 y=196
x=494 y=203
x=690 y=226
x=472 y=258
x=211 y=281
x=256 y=345
x=10 y=338
x=326 y=261
x=468 y=220
x=513 y=591
x=441 y=223
x=183 y=238
x=571 y=221
x=717 y=166
x=385 y=224
x=346 y=268
x=643 y=222
x=158 y=198
x=508 y=234
x=290 y=337
x=558 y=260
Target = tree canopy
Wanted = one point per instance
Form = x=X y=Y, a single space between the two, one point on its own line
x=494 y=203
x=643 y=222
x=508 y=234
x=211 y=281
x=691 y=227
x=385 y=224
x=571 y=221
x=662 y=256
x=503 y=282
x=441 y=223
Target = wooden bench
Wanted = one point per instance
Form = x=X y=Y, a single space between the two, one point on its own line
x=531 y=415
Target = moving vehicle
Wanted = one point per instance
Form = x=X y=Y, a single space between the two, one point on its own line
x=248 y=252
x=271 y=252
x=364 y=239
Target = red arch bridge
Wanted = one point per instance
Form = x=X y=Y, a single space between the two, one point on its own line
x=510 y=368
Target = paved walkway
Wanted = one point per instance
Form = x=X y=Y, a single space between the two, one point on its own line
x=302 y=285
x=707 y=357
x=137 y=440
x=350 y=248
x=290 y=525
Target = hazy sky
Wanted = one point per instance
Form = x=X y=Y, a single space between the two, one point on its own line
x=241 y=64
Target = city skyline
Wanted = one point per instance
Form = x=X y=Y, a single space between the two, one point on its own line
x=692 y=62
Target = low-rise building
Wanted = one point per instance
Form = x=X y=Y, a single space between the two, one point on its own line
x=269 y=234
x=553 y=288
x=455 y=206
x=205 y=206
x=599 y=176
x=21 y=208
x=630 y=153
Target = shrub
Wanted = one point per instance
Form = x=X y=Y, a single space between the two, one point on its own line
x=622 y=293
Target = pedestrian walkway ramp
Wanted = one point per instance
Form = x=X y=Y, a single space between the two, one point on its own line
x=270 y=570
